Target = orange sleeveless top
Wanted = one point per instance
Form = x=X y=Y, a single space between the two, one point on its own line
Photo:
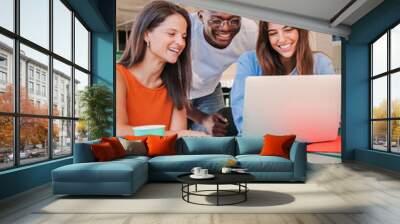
x=146 y=106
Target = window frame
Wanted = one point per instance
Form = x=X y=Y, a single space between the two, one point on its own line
x=388 y=74
x=16 y=115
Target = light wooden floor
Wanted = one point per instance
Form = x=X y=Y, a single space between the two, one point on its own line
x=378 y=188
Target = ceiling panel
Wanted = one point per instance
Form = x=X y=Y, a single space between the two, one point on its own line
x=320 y=9
x=314 y=15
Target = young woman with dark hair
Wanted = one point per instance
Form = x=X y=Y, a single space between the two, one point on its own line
x=281 y=50
x=154 y=72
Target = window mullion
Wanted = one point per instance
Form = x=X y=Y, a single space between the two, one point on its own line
x=73 y=82
x=50 y=81
x=16 y=84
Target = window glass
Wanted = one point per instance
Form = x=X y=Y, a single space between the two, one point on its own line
x=379 y=56
x=395 y=95
x=34 y=21
x=7 y=14
x=379 y=97
x=81 y=45
x=379 y=135
x=81 y=131
x=62 y=29
x=395 y=136
x=62 y=138
x=395 y=47
x=39 y=62
x=62 y=91
x=81 y=81
x=6 y=74
x=34 y=145
x=6 y=142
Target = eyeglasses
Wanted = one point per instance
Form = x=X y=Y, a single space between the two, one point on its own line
x=234 y=22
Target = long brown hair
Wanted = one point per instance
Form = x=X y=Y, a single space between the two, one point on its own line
x=270 y=61
x=177 y=77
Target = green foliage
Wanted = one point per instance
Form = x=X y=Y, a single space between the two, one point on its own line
x=96 y=102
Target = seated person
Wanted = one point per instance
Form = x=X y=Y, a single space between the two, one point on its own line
x=281 y=50
x=154 y=73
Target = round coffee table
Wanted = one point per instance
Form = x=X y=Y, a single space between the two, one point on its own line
x=238 y=179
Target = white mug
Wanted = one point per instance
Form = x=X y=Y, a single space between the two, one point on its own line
x=196 y=170
x=203 y=172
x=226 y=170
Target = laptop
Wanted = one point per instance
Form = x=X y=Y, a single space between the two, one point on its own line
x=305 y=105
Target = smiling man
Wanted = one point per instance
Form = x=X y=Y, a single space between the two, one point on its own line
x=218 y=39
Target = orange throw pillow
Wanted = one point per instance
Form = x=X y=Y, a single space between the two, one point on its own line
x=161 y=145
x=103 y=151
x=136 y=138
x=116 y=145
x=275 y=145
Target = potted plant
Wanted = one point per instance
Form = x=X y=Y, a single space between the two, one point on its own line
x=96 y=102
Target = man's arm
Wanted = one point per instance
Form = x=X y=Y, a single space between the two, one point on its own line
x=215 y=124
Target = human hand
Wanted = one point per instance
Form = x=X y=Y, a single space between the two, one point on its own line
x=216 y=124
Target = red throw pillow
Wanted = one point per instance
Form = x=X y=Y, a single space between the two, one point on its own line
x=116 y=145
x=103 y=151
x=161 y=145
x=277 y=145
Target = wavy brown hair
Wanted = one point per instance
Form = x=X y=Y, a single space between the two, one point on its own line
x=270 y=61
x=177 y=77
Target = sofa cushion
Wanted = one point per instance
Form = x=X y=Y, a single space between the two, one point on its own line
x=103 y=152
x=134 y=147
x=206 y=145
x=111 y=171
x=83 y=152
x=257 y=163
x=185 y=163
x=277 y=145
x=161 y=145
x=249 y=145
x=116 y=145
x=131 y=158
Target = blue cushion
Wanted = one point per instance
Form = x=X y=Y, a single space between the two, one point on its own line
x=118 y=177
x=133 y=157
x=111 y=171
x=83 y=153
x=249 y=145
x=185 y=163
x=206 y=145
x=257 y=163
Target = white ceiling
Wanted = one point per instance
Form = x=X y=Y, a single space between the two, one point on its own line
x=324 y=16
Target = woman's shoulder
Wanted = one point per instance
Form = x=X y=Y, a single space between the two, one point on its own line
x=322 y=63
x=248 y=56
x=120 y=68
x=321 y=57
x=248 y=63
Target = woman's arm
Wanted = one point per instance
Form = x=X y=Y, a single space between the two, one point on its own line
x=243 y=70
x=179 y=125
x=122 y=116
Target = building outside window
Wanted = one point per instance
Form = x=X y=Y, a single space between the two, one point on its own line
x=30 y=87
x=43 y=90
x=3 y=71
x=44 y=77
x=34 y=72
x=385 y=91
x=30 y=72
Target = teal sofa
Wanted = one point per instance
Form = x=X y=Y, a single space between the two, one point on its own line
x=125 y=176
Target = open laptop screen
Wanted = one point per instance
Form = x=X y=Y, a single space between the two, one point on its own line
x=305 y=105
